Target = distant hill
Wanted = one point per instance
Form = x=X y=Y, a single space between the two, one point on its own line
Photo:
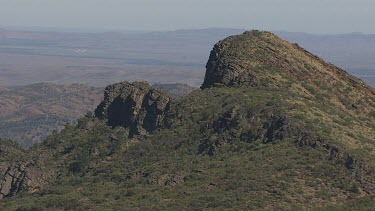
x=176 y=90
x=99 y=59
x=29 y=113
x=273 y=127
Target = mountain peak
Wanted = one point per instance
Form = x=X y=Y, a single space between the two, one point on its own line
x=260 y=58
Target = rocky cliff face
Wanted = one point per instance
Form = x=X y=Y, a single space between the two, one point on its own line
x=17 y=173
x=135 y=106
x=17 y=177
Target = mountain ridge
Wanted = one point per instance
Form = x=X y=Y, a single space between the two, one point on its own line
x=273 y=127
x=267 y=37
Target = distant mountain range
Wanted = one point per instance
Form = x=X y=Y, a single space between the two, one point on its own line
x=28 y=114
x=179 y=56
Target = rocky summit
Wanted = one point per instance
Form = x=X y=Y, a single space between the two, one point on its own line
x=136 y=106
x=273 y=127
x=258 y=58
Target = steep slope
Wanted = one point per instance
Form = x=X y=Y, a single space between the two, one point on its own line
x=17 y=172
x=255 y=55
x=8 y=151
x=29 y=113
x=261 y=59
x=273 y=127
x=135 y=106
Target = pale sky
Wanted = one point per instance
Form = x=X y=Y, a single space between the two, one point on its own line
x=316 y=16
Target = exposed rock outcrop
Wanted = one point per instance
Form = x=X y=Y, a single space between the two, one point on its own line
x=135 y=106
x=17 y=173
x=15 y=178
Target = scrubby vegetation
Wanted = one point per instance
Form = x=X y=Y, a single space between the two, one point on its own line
x=243 y=144
x=99 y=167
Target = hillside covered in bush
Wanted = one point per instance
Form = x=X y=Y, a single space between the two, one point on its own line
x=272 y=127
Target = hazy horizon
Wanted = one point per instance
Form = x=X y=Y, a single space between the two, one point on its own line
x=318 y=17
x=103 y=30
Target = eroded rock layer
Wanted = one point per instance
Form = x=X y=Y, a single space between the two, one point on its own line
x=136 y=106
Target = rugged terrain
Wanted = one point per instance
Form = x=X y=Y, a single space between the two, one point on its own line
x=272 y=127
x=28 y=114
